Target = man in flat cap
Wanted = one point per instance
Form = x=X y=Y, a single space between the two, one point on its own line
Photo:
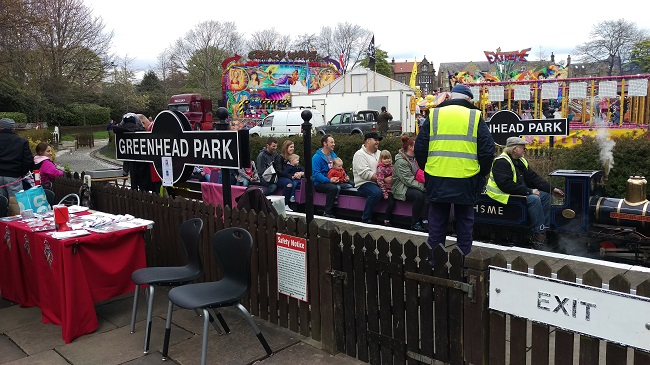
x=456 y=149
x=512 y=175
x=16 y=159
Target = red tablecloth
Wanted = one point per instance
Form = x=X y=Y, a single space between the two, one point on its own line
x=66 y=277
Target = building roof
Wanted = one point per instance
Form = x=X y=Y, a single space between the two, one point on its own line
x=402 y=67
x=361 y=79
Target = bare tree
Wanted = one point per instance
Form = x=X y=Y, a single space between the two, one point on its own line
x=72 y=42
x=305 y=42
x=611 y=42
x=347 y=39
x=200 y=52
x=15 y=39
x=269 y=39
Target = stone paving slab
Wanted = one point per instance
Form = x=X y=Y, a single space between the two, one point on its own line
x=305 y=354
x=49 y=357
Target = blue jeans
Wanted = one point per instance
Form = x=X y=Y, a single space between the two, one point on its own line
x=270 y=188
x=373 y=195
x=539 y=211
x=340 y=186
x=11 y=186
x=286 y=190
x=244 y=183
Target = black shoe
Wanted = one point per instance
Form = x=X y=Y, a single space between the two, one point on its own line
x=329 y=215
x=387 y=223
x=369 y=221
x=419 y=227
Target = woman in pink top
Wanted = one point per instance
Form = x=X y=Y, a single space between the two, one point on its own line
x=43 y=163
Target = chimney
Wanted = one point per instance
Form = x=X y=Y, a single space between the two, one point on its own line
x=635 y=193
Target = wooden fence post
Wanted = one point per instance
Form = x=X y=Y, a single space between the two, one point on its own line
x=476 y=313
x=327 y=237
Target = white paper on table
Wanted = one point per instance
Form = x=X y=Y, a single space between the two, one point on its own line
x=69 y=234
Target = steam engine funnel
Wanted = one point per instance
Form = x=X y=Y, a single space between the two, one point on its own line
x=635 y=193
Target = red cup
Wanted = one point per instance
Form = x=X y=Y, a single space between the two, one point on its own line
x=61 y=217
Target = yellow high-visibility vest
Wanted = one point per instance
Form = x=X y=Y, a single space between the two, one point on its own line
x=453 y=143
x=492 y=189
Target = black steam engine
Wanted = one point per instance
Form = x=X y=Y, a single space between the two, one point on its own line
x=584 y=222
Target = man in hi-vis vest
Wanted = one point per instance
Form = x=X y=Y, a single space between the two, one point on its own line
x=456 y=149
x=512 y=175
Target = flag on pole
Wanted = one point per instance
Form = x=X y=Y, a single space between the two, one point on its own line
x=414 y=75
x=342 y=62
x=371 y=53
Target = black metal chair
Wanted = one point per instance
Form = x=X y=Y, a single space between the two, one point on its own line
x=4 y=206
x=51 y=199
x=232 y=248
x=190 y=234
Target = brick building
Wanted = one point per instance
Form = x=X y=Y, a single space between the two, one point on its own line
x=426 y=77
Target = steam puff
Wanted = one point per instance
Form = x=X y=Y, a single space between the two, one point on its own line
x=605 y=147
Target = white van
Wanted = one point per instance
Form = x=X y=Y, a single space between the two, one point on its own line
x=285 y=123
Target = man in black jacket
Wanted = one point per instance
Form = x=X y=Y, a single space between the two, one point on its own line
x=504 y=182
x=16 y=159
x=139 y=171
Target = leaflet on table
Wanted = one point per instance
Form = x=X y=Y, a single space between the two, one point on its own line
x=121 y=225
x=69 y=234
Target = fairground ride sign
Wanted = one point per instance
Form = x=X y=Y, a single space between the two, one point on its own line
x=173 y=138
x=498 y=56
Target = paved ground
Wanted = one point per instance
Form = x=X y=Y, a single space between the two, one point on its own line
x=25 y=340
x=81 y=159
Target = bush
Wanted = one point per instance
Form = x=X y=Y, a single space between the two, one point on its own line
x=19 y=118
x=36 y=135
x=89 y=114
x=346 y=146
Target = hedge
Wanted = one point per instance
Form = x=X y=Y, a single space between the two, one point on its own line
x=20 y=118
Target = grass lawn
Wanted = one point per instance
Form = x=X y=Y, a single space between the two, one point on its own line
x=97 y=135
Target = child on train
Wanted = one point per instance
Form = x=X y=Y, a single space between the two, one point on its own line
x=384 y=170
x=295 y=173
x=338 y=171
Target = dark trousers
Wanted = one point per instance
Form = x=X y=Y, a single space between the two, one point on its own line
x=418 y=199
x=439 y=221
x=390 y=206
x=331 y=190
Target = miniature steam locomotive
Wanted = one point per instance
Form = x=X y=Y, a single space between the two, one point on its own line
x=584 y=222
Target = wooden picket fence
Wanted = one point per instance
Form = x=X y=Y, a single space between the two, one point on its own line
x=383 y=302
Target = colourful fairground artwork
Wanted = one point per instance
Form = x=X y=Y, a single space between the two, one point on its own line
x=619 y=104
x=256 y=88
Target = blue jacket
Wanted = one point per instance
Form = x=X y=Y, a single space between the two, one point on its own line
x=459 y=191
x=290 y=170
x=320 y=167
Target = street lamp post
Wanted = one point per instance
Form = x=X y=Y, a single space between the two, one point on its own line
x=222 y=125
x=309 y=187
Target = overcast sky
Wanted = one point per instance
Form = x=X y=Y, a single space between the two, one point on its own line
x=445 y=31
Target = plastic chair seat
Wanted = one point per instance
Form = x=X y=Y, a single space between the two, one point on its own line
x=166 y=276
x=216 y=294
